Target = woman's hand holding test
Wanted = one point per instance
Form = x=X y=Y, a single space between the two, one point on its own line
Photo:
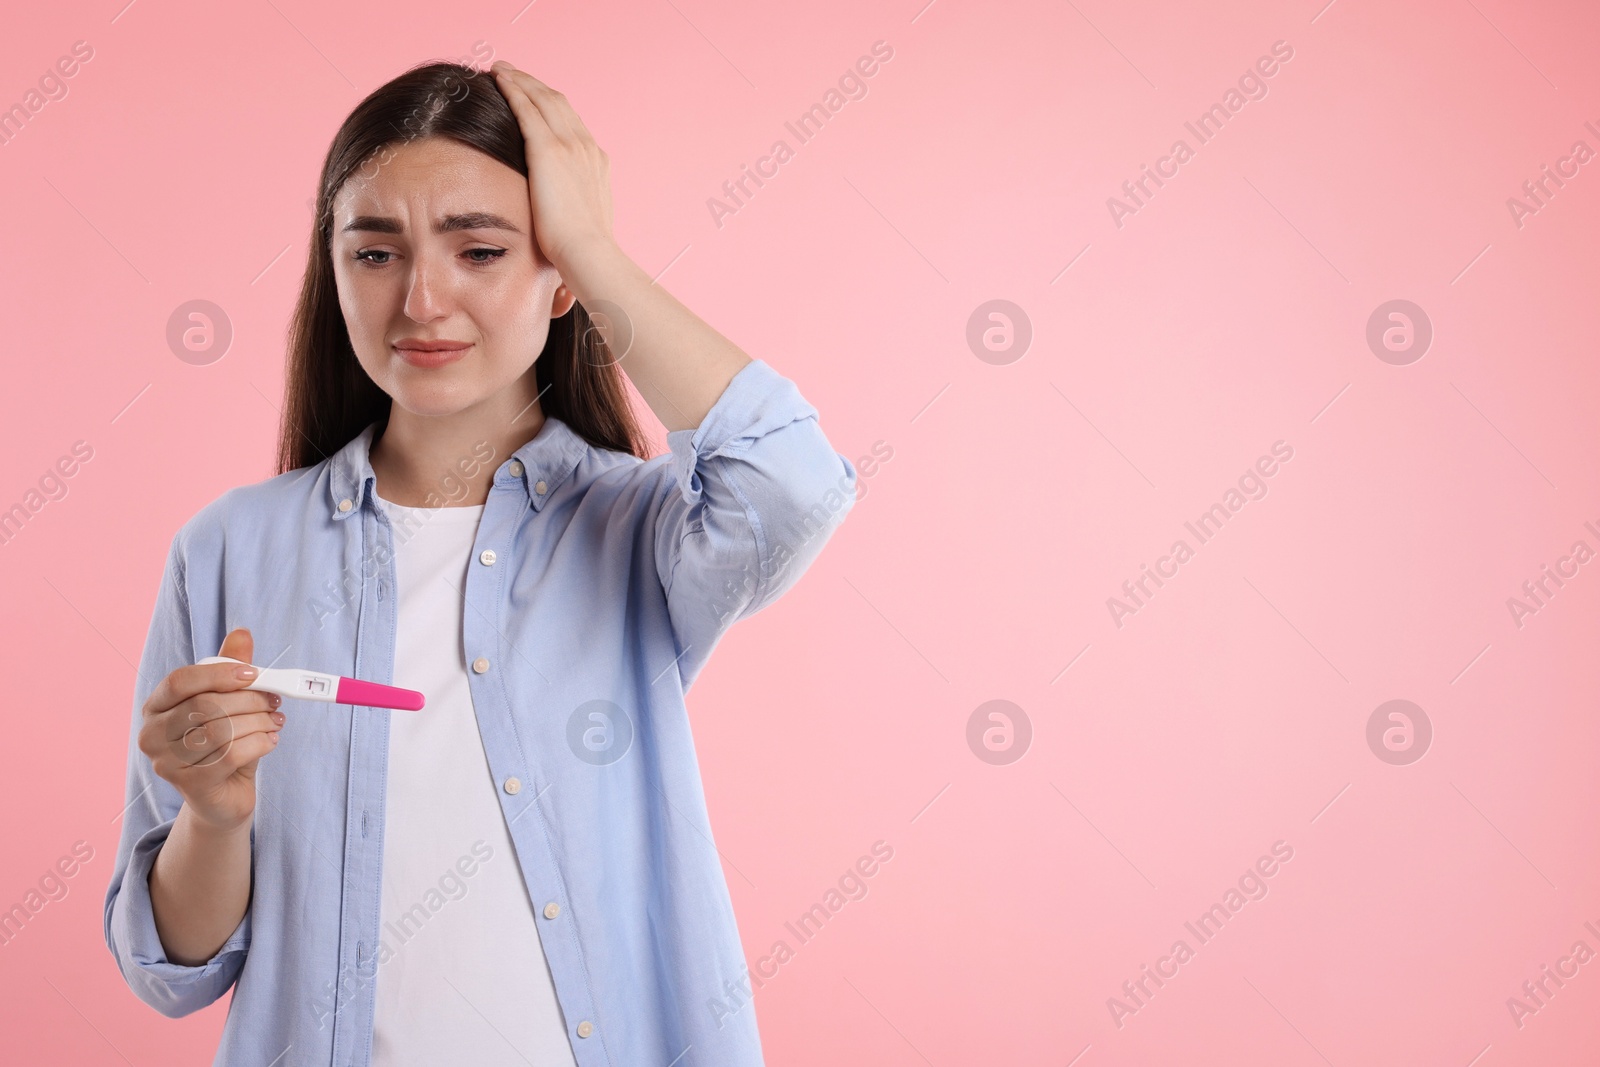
x=205 y=733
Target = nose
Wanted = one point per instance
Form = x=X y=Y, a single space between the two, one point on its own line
x=428 y=291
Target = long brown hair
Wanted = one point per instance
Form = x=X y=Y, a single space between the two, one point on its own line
x=328 y=397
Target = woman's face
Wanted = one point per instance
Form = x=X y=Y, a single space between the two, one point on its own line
x=432 y=241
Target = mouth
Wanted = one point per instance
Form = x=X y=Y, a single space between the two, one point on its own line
x=432 y=354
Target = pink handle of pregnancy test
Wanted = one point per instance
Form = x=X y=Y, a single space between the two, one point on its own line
x=375 y=695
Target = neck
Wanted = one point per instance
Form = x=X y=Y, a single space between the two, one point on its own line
x=431 y=461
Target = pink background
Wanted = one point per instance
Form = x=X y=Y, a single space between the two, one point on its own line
x=1227 y=314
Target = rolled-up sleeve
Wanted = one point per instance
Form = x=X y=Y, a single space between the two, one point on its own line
x=756 y=491
x=152 y=807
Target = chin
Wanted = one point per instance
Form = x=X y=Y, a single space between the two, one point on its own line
x=432 y=402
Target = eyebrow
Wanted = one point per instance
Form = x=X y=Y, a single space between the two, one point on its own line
x=472 y=220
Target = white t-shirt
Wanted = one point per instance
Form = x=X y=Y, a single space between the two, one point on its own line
x=464 y=978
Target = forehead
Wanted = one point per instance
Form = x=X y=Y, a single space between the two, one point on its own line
x=430 y=178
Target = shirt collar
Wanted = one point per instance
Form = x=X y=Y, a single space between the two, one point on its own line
x=538 y=467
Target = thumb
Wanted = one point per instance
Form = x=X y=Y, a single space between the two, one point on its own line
x=238 y=645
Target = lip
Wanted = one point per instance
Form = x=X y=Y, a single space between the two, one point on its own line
x=431 y=353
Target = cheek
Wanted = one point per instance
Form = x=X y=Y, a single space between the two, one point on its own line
x=366 y=320
x=370 y=306
x=512 y=309
x=357 y=322
x=355 y=301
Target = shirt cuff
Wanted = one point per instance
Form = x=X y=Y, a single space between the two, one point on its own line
x=757 y=401
x=173 y=989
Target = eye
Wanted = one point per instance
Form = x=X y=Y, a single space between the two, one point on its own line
x=491 y=255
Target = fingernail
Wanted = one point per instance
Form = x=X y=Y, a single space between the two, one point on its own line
x=277 y=717
x=274 y=737
x=274 y=699
x=244 y=672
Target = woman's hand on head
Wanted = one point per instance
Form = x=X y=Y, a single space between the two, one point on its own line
x=569 y=176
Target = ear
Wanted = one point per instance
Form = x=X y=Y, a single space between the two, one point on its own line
x=564 y=299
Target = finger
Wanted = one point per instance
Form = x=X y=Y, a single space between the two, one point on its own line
x=242 y=751
x=211 y=742
x=555 y=104
x=203 y=707
x=240 y=644
x=516 y=84
x=529 y=118
x=187 y=682
x=558 y=110
x=553 y=108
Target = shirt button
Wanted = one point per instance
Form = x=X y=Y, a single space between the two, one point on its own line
x=540 y=487
x=513 y=785
x=516 y=468
x=551 y=910
x=345 y=505
x=585 y=1028
x=487 y=557
x=480 y=665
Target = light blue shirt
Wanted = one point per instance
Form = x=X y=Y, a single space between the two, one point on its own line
x=598 y=586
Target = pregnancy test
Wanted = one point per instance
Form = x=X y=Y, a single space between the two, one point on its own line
x=328 y=688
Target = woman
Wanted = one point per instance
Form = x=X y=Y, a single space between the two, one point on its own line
x=523 y=871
